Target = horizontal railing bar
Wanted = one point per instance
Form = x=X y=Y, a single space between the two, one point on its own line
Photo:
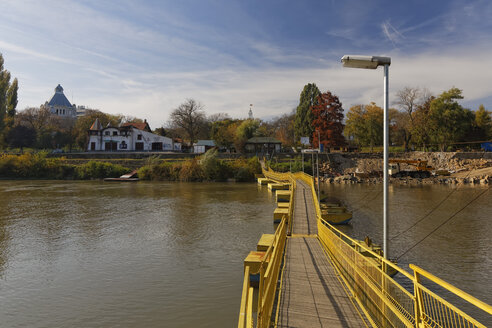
x=464 y=295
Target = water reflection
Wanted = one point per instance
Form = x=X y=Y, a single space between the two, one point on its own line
x=92 y=254
x=457 y=252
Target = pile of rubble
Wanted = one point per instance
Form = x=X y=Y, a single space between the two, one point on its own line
x=356 y=168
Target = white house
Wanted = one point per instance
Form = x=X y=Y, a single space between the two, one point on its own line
x=128 y=137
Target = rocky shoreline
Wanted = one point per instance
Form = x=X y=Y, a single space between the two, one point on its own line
x=352 y=179
x=462 y=168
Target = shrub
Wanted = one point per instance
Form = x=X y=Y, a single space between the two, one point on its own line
x=191 y=170
x=214 y=169
x=99 y=170
x=35 y=166
x=244 y=174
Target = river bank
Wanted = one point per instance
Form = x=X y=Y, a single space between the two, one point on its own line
x=460 y=168
x=207 y=167
x=472 y=180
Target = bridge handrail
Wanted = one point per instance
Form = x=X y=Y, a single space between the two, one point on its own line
x=269 y=270
x=431 y=307
x=246 y=308
x=386 y=301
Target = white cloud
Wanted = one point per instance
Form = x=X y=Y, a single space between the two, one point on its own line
x=120 y=66
x=276 y=91
x=391 y=32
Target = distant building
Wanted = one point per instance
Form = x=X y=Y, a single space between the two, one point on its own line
x=263 y=145
x=203 y=145
x=59 y=104
x=128 y=137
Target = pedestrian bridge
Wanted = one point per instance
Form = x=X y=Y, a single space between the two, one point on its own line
x=310 y=274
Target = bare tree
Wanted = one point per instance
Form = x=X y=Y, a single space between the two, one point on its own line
x=408 y=100
x=189 y=116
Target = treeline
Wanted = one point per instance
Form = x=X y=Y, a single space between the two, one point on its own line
x=319 y=117
x=421 y=120
x=190 y=123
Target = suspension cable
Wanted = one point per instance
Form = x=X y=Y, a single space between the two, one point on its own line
x=435 y=207
x=443 y=223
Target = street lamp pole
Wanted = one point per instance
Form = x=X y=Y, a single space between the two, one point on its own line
x=373 y=62
x=385 y=162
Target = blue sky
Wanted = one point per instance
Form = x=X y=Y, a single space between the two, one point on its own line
x=144 y=58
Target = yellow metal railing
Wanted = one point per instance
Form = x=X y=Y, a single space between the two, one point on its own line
x=269 y=271
x=284 y=177
x=434 y=311
x=385 y=302
x=269 y=268
x=246 y=309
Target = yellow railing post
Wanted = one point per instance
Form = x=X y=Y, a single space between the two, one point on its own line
x=261 y=287
x=419 y=310
x=243 y=309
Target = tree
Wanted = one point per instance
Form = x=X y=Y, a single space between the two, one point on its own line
x=21 y=136
x=223 y=132
x=284 y=129
x=327 y=121
x=483 y=123
x=161 y=131
x=400 y=133
x=304 y=118
x=407 y=99
x=246 y=130
x=189 y=116
x=355 y=128
x=421 y=125
x=12 y=98
x=8 y=95
x=365 y=125
x=449 y=121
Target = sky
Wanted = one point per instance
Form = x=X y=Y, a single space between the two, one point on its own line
x=144 y=58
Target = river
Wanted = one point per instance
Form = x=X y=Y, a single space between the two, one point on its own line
x=94 y=254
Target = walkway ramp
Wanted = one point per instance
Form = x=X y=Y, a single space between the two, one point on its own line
x=311 y=294
x=305 y=222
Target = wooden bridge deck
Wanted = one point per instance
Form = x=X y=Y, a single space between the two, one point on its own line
x=311 y=294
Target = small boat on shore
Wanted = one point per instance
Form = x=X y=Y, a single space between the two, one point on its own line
x=130 y=177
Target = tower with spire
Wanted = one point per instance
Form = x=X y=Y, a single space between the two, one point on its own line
x=59 y=104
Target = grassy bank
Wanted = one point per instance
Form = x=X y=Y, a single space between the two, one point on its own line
x=207 y=167
x=39 y=166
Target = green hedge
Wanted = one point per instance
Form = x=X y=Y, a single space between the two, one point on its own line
x=38 y=166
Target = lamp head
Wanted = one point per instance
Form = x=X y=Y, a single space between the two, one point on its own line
x=369 y=62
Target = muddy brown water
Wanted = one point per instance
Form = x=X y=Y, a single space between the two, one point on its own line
x=94 y=254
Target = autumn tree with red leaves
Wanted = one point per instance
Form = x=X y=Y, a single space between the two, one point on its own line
x=327 y=119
